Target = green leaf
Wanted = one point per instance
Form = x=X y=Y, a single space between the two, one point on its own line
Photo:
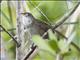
x=37 y=57
x=63 y=46
x=45 y=55
x=54 y=45
x=42 y=44
x=67 y=53
x=53 y=40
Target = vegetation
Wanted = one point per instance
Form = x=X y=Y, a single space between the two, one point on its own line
x=63 y=42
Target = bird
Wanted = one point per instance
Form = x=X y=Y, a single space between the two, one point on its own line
x=36 y=26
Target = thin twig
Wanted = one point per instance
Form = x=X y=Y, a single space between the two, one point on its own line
x=70 y=23
x=18 y=44
x=59 y=57
x=66 y=23
x=61 y=34
x=76 y=46
x=72 y=43
x=8 y=29
x=66 y=17
x=29 y=54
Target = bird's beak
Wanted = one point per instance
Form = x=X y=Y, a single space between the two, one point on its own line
x=23 y=13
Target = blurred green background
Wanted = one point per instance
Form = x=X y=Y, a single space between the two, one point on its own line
x=53 y=10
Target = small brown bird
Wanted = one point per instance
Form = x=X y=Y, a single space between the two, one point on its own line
x=36 y=26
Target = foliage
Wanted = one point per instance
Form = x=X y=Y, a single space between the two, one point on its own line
x=48 y=48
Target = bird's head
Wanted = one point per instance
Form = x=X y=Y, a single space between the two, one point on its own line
x=27 y=18
x=27 y=14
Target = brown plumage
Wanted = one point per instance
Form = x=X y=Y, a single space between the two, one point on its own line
x=36 y=26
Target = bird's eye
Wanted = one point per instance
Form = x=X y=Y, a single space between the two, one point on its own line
x=27 y=15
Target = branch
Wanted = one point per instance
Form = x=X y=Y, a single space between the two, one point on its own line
x=30 y=53
x=62 y=20
x=70 y=28
x=72 y=43
x=8 y=29
x=18 y=44
x=66 y=23
x=70 y=23
x=59 y=57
